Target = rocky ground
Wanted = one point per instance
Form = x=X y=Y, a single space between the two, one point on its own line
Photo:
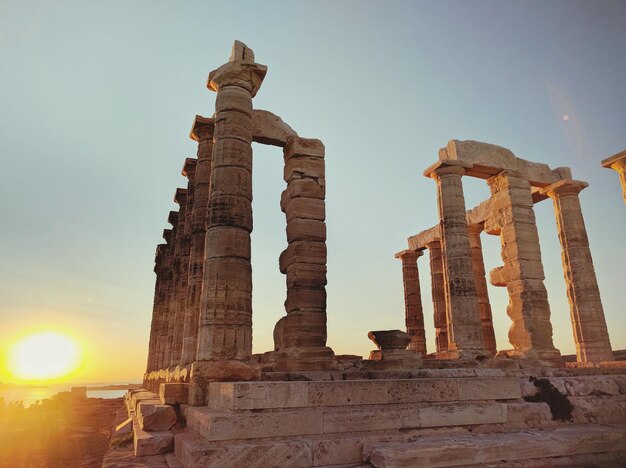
x=60 y=432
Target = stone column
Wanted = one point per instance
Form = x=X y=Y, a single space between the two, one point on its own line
x=157 y=307
x=189 y=171
x=225 y=326
x=522 y=273
x=438 y=295
x=617 y=162
x=480 y=281
x=304 y=260
x=465 y=337
x=202 y=132
x=180 y=198
x=590 y=331
x=170 y=281
x=413 y=312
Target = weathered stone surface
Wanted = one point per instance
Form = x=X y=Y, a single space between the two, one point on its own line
x=155 y=417
x=306 y=230
x=617 y=162
x=151 y=443
x=389 y=339
x=270 y=129
x=307 y=208
x=298 y=147
x=258 y=395
x=174 y=393
x=413 y=311
x=303 y=252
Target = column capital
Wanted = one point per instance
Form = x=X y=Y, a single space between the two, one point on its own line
x=564 y=188
x=172 y=218
x=433 y=245
x=180 y=196
x=617 y=162
x=202 y=128
x=167 y=235
x=189 y=167
x=241 y=70
x=409 y=254
x=447 y=167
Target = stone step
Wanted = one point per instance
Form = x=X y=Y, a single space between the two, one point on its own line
x=215 y=424
x=383 y=374
x=478 y=449
x=305 y=394
x=334 y=450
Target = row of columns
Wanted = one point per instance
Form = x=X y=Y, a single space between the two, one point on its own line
x=462 y=312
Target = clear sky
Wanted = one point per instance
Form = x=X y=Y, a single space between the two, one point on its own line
x=97 y=100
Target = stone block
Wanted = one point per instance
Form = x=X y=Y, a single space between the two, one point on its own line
x=305 y=299
x=303 y=252
x=373 y=418
x=257 y=395
x=233 y=125
x=269 y=129
x=422 y=390
x=304 y=328
x=306 y=275
x=528 y=413
x=309 y=188
x=298 y=147
x=232 y=153
x=306 y=208
x=346 y=393
x=389 y=339
x=233 y=98
x=174 y=393
x=155 y=417
x=230 y=210
x=299 y=229
x=233 y=180
x=299 y=168
x=462 y=414
x=496 y=388
x=227 y=241
x=151 y=443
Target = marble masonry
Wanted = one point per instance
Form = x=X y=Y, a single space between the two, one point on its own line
x=208 y=401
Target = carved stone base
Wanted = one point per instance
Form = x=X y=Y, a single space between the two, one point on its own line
x=203 y=372
x=302 y=359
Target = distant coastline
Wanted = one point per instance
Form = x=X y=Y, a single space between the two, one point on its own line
x=130 y=386
x=10 y=386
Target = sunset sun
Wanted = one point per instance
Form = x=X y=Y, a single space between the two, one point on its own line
x=44 y=356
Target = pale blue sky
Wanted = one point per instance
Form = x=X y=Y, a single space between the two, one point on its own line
x=97 y=99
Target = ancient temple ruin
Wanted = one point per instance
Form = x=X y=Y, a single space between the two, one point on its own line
x=617 y=162
x=462 y=312
x=209 y=402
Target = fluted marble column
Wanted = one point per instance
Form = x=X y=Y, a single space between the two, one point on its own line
x=480 y=281
x=170 y=281
x=157 y=306
x=590 y=332
x=465 y=337
x=225 y=326
x=522 y=272
x=413 y=311
x=202 y=132
x=438 y=295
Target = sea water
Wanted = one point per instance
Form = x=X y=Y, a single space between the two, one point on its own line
x=29 y=395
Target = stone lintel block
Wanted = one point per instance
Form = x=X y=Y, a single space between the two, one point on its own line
x=155 y=417
x=424 y=238
x=233 y=180
x=445 y=163
x=303 y=252
x=257 y=395
x=231 y=152
x=227 y=241
x=300 y=168
x=174 y=393
x=307 y=208
x=298 y=147
x=151 y=443
x=306 y=275
x=233 y=98
x=305 y=299
x=202 y=128
x=269 y=129
x=308 y=188
x=496 y=388
x=299 y=229
x=616 y=158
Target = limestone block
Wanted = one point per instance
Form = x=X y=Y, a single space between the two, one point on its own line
x=528 y=413
x=390 y=339
x=233 y=98
x=305 y=230
x=462 y=414
x=224 y=371
x=270 y=129
x=299 y=168
x=496 y=388
x=174 y=393
x=593 y=409
x=218 y=425
x=307 y=208
x=347 y=393
x=123 y=428
x=257 y=395
x=142 y=395
x=279 y=334
x=310 y=188
x=232 y=153
x=297 y=147
x=234 y=180
x=416 y=391
x=303 y=252
x=155 y=417
x=151 y=443
x=372 y=418
x=304 y=328
x=305 y=299
x=306 y=275
x=228 y=241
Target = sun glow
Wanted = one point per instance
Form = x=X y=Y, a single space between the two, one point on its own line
x=45 y=355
